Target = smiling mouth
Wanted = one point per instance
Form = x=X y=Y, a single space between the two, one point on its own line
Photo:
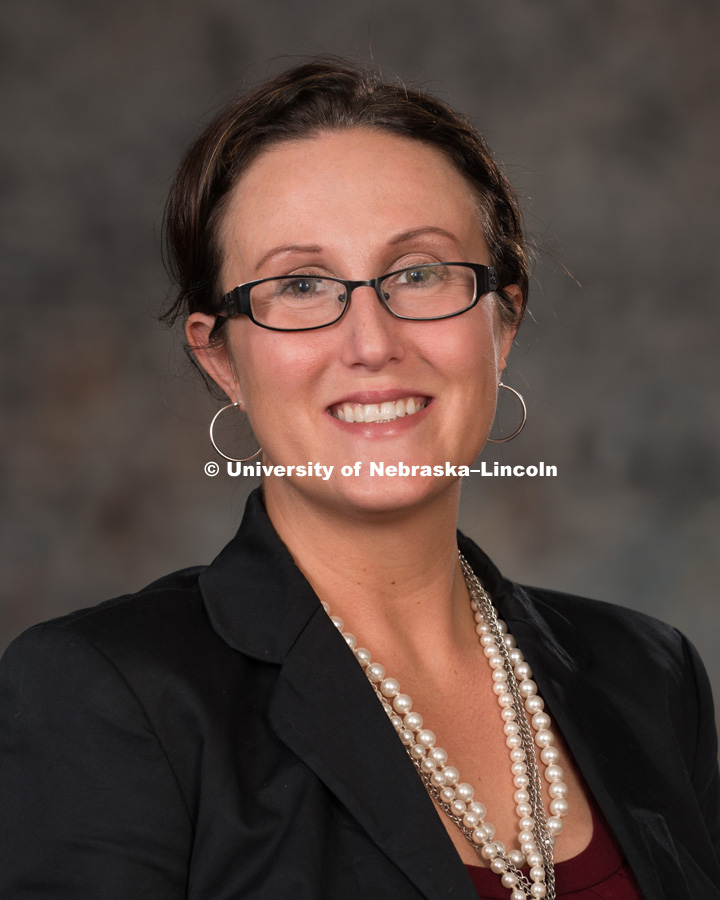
x=387 y=411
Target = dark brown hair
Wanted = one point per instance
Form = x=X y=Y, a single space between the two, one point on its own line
x=321 y=95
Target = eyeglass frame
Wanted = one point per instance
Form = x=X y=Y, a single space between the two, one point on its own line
x=237 y=301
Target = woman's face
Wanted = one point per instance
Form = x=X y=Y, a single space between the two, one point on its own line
x=357 y=204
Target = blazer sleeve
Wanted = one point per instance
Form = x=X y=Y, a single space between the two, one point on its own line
x=705 y=774
x=90 y=806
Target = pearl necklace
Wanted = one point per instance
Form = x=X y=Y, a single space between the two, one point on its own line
x=518 y=699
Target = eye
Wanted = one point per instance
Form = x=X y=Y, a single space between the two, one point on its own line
x=422 y=276
x=301 y=286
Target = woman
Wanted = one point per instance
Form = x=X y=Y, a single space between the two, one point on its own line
x=351 y=272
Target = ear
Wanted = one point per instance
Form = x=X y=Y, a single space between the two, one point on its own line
x=215 y=359
x=508 y=332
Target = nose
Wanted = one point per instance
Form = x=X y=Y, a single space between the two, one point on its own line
x=372 y=334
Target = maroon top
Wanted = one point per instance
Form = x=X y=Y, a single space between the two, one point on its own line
x=598 y=873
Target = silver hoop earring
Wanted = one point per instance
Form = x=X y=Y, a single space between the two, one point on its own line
x=234 y=405
x=522 y=423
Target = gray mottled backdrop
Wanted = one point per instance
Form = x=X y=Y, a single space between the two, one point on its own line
x=607 y=117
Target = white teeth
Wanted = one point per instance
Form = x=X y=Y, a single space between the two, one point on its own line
x=379 y=412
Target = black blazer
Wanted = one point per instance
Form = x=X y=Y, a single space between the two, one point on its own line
x=213 y=737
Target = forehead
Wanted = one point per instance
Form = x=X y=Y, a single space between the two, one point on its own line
x=343 y=191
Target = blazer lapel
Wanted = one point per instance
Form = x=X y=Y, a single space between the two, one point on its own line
x=326 y=711
x=615 y=762
x=323 y=707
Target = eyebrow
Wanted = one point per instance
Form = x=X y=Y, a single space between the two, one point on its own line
x=401 y=238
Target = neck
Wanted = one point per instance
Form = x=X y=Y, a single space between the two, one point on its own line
x=393 y=577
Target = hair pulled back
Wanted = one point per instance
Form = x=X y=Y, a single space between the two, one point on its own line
x=322 y=95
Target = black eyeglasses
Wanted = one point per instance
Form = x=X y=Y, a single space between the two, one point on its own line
x=305 y=302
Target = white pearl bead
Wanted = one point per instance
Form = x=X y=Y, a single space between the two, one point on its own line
x=465 y=791
x=538 y=891
x=502 y=626
x=362 y=656
x=417 y=751
x=513 y=741
x=337 y=622
x=500 y=847
x=447 y=794
x=508 y=714
x=478 y=836
x=509 y=880
x=428 y=765
x=471 y=820
x=559 y=807
x=535 y=859
x=426 y=738
x=505 y=699
x=325 y=606
x=518 y=895
x=550 y=755
x=528 y=847
x=515 y=656
x=558 y=789
x=397 y=723
x=527 y=823
x=537 y=873
x=350 y=640
x=496 y=662
x=406 y=736
x=451 y=775
x=458 y=807
x=540 y=720
x=544 y=738
x=498 y=675
x=489 y=830
x=521 y=796
x=554 y=773
x=555 y=825
x=527 y=688
x=521 y=781
x=389 y=687
x=522 y=671
x=484 y=627
x=437 y=779
x=487 y=639
x=490 y=649
x=488 y=851
x=439 y=755
x=375 y=672
x=478 y=808
x=534 y=704
x=517 y=858
x=518 y=768
x=498 y=865
x=509 y=641
x=413 y=721
x=402 y=703
x=517 y=755
x=500 y=687
x=511 y=728
x=523 y=809
x=526 y=836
